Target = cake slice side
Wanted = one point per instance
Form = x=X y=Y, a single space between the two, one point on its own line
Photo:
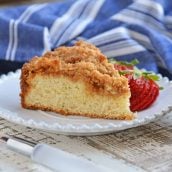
x=63 y=95
x=75 y=80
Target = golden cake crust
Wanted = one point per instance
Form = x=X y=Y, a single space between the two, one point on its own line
x=82 y=61
x=63 y=112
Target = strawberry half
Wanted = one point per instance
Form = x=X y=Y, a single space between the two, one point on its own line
x=144 y=90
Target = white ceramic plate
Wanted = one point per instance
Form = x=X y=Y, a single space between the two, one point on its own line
x=11 y=110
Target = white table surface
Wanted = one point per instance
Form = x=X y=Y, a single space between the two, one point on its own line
x=145 y=148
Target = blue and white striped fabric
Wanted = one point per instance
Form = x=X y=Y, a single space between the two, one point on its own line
x=125 y=30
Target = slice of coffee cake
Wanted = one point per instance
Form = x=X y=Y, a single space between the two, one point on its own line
x=75 y=80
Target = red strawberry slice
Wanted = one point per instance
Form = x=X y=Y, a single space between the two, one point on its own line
x=144 y=91
x=121 y=67
x=138 y=88
x=151 y=97
x=142 y=99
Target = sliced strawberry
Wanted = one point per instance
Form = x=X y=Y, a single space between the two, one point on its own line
x=151 y=97
x=138 y=89
x=121 y=67
x=144 y=89
x=143 y=93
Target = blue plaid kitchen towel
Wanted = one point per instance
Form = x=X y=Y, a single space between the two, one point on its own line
x=123 y=29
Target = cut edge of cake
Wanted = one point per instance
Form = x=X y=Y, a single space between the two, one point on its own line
x=96 y=88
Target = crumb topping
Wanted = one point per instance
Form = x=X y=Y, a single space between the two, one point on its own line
x=80 y=62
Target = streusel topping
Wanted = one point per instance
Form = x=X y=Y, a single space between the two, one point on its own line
x=80 y=62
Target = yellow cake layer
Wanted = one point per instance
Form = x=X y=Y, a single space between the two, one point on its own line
x=63 y=95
